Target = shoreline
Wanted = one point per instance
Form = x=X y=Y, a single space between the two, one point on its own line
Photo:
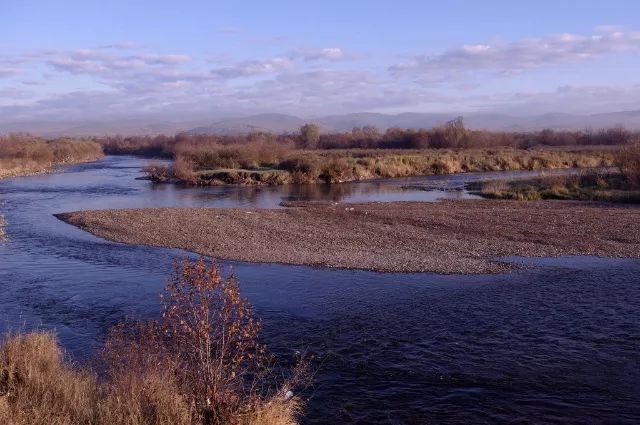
x=448 y=237
x=9 y=173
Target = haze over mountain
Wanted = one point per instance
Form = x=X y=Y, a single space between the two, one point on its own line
x=283 y=123
x=164 y=66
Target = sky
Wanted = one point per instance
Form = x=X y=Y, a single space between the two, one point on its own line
x=186 y=60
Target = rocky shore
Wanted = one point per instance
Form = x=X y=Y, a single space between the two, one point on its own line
x=444 y=237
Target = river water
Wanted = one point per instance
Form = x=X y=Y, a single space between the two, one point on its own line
x=555 y=342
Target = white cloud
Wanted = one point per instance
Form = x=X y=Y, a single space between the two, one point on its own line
x=325 y=53
x=252 y=68
x=525 y=54
x=119 y=82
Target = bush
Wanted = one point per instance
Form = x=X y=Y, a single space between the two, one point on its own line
x=159 y=173
x=201 y=363
x=629 y=164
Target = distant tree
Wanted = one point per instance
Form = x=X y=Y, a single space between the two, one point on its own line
x=310 y=135
x=450 y=135
x=370 y=132
x=456 y=133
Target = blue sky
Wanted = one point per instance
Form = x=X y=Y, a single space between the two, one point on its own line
x=103 y=60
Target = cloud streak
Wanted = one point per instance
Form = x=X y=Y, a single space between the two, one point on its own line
x=325 y=54
x=252 y=68
x=517 y=56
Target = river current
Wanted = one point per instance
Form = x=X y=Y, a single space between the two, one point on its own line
x=555 y=342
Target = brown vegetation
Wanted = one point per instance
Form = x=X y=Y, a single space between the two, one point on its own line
x=588 y=186
x=604 y=185
x=629 y=163
x=364 y=153
x=451 y=135
x=454 y=135
x=200 y=364
x=209 y=167
x=443 y=237
x=24 y=154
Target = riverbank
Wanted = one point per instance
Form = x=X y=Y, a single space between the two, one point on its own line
x=445 y=237
x=23 y=155
x=592 y=186
x=9 y=170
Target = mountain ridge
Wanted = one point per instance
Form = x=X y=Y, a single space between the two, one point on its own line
x=285 y=123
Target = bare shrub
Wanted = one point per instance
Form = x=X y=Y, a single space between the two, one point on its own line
x=629 y=164
x=310 y=135
x=206 y=351
x=140 y=385
x=201 y=363
x=184 y=170
x=159 y=173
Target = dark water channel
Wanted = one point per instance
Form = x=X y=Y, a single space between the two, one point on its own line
x=557 y=342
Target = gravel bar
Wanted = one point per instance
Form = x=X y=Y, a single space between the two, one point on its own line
x=442 y=237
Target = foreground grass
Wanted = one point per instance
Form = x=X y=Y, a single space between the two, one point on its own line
x=25 y=155
x=335 y=166
x=201 y=364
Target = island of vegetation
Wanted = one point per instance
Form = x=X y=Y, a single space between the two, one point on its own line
x=365 y=153
x=620 y=184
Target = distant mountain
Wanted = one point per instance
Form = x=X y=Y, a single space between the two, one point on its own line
x=97 y=128
x=273 y=123
x=282 y=123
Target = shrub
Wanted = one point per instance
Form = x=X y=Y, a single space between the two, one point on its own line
x=205 y=347
x=201 y=363
x=159 y=173
x=310 y=135
x=629 y=164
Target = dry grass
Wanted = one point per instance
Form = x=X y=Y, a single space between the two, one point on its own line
x=38 y=387
x=587 y=186
x=366 y=153
x=629 y=163
x=200 y=364
x=24 y=154
x=314 y=166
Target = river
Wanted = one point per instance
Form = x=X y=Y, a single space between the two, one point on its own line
x=555 y=342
